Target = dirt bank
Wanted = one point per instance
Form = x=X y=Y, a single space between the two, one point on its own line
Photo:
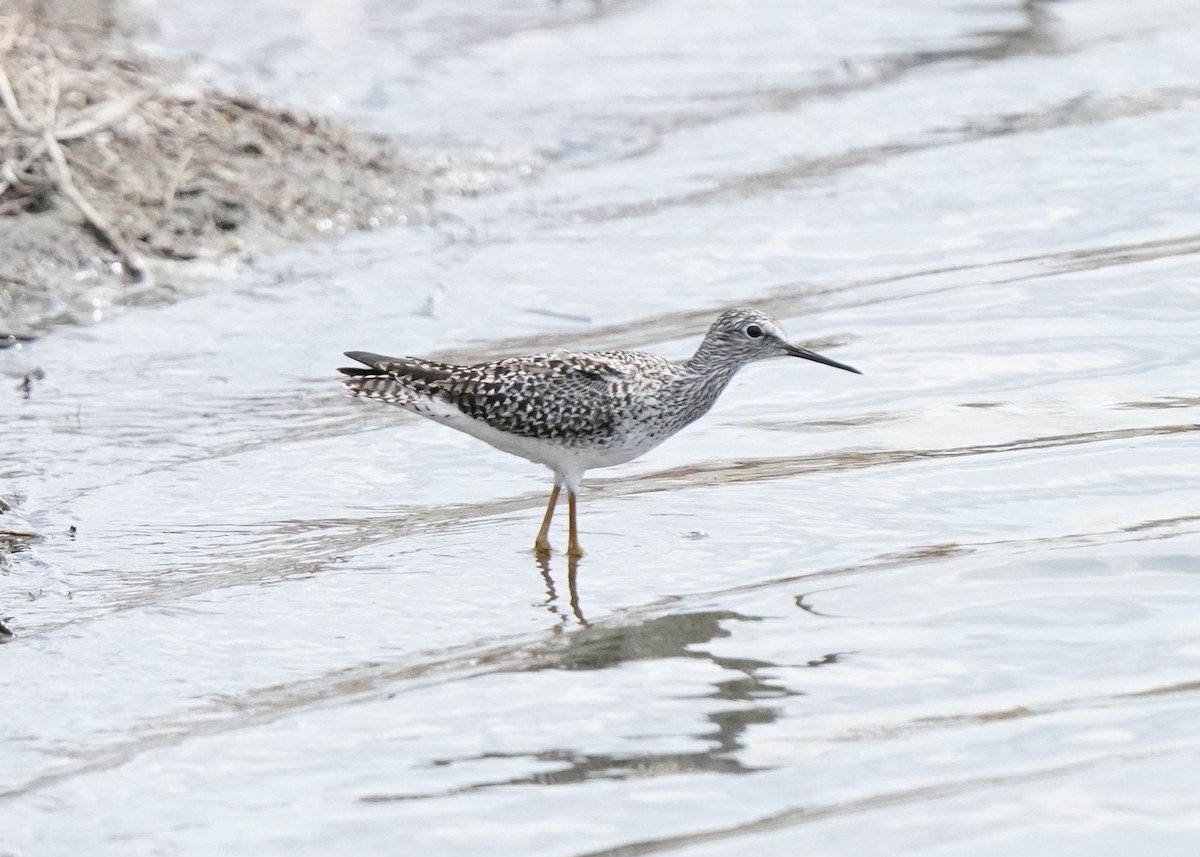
x=115 y=169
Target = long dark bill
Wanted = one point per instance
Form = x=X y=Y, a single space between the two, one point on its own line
x=797 y=351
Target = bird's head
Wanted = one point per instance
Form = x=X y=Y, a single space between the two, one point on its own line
x=744 y=335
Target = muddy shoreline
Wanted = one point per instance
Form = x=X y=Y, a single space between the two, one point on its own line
x=122 y=181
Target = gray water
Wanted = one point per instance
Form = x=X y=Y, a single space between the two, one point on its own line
x=949 y=607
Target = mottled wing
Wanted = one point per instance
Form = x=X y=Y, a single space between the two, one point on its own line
x=550 y=397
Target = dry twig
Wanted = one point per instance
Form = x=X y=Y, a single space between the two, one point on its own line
x=9 y=99
x=102 y=115
x=65 y=184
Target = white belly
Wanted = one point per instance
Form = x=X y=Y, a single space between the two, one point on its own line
x=567 y=462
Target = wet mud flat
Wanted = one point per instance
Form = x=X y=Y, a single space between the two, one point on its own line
x=944 y=608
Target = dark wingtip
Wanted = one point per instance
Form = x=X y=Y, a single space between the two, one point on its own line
x=369 y=359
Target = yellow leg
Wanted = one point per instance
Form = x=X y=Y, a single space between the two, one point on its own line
x=573 y=548
x=542 y=544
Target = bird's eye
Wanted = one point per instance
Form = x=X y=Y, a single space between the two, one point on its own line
x=754 y=331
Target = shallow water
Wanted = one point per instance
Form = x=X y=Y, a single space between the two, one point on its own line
x=949 y=607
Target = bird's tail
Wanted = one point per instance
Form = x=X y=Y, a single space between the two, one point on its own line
x=396 y=380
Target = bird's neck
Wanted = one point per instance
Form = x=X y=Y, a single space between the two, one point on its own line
x=711 y=361
x=703 y=379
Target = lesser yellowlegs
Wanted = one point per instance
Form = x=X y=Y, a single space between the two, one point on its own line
x=573 y=411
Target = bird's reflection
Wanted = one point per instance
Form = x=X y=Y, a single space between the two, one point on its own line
x=551 y=602
x=747 y=691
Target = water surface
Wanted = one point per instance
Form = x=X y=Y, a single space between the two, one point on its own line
x=949 y=607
